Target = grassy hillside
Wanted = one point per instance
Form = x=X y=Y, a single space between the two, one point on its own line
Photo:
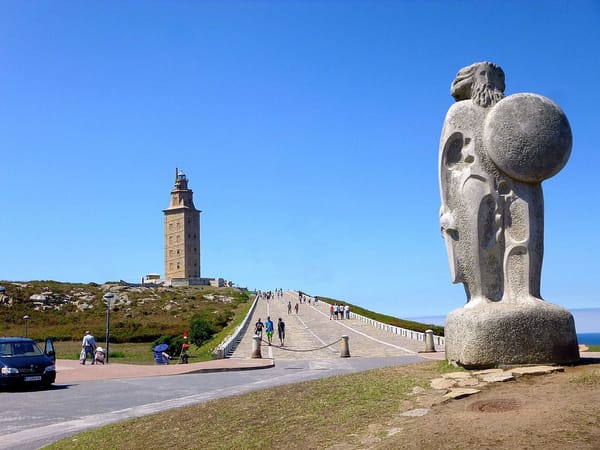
x=140 y=313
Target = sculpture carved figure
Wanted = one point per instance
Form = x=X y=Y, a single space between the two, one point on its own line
x=490 y=179
x=495 y=151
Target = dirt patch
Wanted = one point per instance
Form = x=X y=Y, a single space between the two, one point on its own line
x=554 y=411
x=495 y=405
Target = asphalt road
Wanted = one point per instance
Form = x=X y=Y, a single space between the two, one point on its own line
x=31 y=419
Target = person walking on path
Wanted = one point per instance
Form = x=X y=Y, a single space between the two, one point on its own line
x=281 y=331
x=289 y=307
x=269 y=329
x=347 y=311
x=88 y=344
x=258 y=327
x=330 y=312
x=296 y=308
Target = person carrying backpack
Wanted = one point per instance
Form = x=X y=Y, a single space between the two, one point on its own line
x=258 y=327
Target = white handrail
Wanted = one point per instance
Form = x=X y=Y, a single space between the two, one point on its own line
x=409 y=334
x=229 y=344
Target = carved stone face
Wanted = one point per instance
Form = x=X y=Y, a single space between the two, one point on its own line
x=476 y=78
x=489 y=77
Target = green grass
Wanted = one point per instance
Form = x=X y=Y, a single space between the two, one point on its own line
x=141 y=353
x=205 y=352
x=128 y=353
x=445 y=367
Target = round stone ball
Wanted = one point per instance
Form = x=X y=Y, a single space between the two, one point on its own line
x=528 y=137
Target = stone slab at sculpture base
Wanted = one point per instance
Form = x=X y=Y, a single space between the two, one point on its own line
x=495 y=334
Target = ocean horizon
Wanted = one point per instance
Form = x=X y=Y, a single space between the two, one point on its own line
x=588 y=338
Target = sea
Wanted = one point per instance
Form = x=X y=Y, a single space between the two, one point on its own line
x=587 y=324
x=588 y=338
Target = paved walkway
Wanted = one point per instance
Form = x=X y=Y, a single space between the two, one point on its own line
x=309 y=332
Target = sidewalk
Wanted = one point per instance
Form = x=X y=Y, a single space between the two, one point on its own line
x=69 y=371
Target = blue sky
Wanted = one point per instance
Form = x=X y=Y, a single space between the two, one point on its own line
x=309 y=133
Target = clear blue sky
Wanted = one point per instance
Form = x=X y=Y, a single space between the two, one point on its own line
x=309 y=132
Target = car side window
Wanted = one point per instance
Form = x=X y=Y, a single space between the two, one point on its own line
x=5 y=350
x=18 y=349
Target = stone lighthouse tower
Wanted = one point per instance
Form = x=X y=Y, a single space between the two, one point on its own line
x=182 y=234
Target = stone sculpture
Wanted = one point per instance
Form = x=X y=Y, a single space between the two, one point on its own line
x=494 y=153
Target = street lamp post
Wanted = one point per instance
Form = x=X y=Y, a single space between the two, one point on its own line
x=108 y=298
x=26 y=319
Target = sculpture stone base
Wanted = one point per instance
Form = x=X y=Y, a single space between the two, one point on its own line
x=495 y=334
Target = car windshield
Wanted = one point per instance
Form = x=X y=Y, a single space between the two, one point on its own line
x=20 y=349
